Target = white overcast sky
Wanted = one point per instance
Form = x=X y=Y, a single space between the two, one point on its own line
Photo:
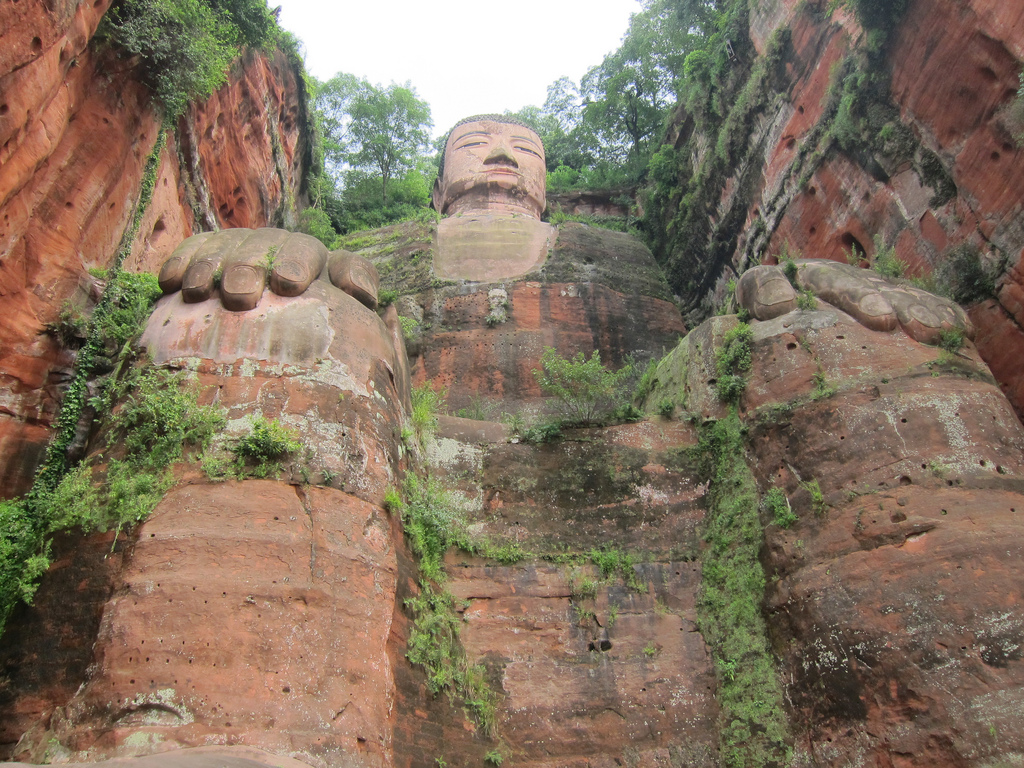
x=463 y=58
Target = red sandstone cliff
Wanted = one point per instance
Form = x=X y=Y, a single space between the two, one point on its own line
x=75 y=130
x=952 y=68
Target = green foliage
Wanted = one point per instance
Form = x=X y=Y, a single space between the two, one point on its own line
x=613 y=561
x=259 y=451
x=371 y=138
x=817 y=497
x=26 y=523
x=733 y=361
x=789 y=269
x=410 y=328
x=129 y=302
x=557 y=216
x=886 y=262
x=822 y=389
x=70 y=328
x=776 y=503
x=753 y=727
x=132 y=493
x=24 y=556
x=951 y=339
x=805 y=300
x=426 y=404
x=646 y=383
x=963 y=277
x=545 y=432
x=386 y=297
x=434 y=522
x=494 y=757
x=317 y=222
x=66 y=424
x=587 y=390
x=880 y=15
x=183 y=47
x=666 y=408
x=160 y=416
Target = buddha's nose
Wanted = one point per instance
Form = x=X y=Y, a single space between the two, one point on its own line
x=502 y=154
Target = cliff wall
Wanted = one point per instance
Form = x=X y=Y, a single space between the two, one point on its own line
x=76 y=128
x=915 y=146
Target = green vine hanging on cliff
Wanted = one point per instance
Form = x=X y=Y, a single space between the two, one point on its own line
x=119 y=316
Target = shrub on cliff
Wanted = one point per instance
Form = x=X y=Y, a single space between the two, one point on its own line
x=587 y=390
x=184 y=47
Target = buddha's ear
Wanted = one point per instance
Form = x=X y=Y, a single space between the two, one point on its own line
x=435 y=196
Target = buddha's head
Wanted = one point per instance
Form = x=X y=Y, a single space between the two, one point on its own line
x=491 y=163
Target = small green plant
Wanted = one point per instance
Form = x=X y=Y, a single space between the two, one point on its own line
x=70 y=328
x=645 y=385
x=612 y=561
x=475 y=410
x=805 y=300
x=494 y=757
x=733 y=361
x=259 y=451
x=650 y=650
x=545 y=432
x=951 y=340
x=270 y=257
x=584 y=589
x=514 y=421
x=587 y=390
x=963 y=277
x=410 y=328
x=426 y=404
x=666 y=408
x=937 y=468
x=817 y=497
x=789 y=269
x=776 y=503
x=386 y=297
x=822 y=389
x=886 y=262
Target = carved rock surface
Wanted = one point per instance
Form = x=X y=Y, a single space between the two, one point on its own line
x=894 y=606
x=75 y=130
x=589 y=670
x=252 y=611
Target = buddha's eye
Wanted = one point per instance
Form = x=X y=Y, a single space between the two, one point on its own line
x=471 y=144
x=528 y=151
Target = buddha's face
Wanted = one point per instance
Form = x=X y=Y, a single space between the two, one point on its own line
x=492 y=166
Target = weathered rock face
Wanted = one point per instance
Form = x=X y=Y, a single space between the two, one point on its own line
x=589 y=670
x=953 y=67
x=892 y=600
x=255 y=611
x=595 y=290
x=75 y=132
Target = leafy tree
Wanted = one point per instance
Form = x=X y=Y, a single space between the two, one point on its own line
x=370 y=152
x=389 y=128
